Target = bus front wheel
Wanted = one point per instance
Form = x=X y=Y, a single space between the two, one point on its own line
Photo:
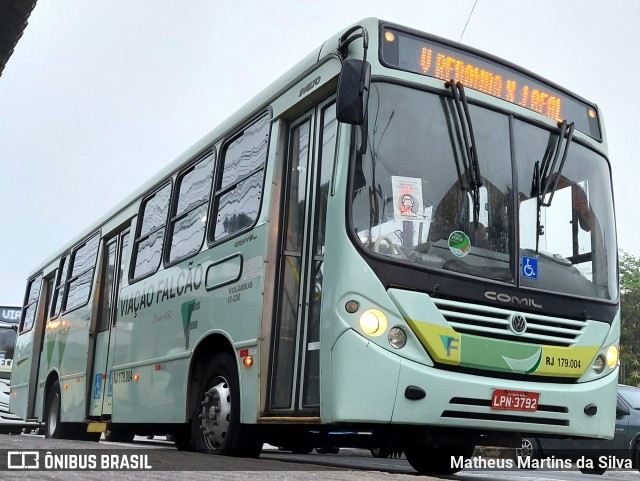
x=215 y=423
x=437 y=459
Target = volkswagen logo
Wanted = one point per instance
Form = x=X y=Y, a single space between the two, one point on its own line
x=518 y=323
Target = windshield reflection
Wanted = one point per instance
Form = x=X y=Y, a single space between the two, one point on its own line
x=412 y=201
x=575 y=234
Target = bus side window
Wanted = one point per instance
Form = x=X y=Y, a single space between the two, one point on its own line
x=147 y=251
x=56 y=305
x=31 y=304
x=189 y=216
x=239 y=186
x=80 y=278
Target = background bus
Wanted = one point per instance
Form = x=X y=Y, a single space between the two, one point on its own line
x=413 y=249
x=9 y=318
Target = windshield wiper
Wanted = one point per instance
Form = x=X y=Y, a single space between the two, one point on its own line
x=545 y=177
x=470 y=157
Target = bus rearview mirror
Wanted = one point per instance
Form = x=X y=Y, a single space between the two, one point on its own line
x=353 y=91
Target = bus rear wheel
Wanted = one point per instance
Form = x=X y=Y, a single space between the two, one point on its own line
x=436 y=458
x=215 y=423
x=54 y=428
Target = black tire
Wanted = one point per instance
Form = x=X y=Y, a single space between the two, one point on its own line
x=54 y=428
x=118 y=436
x=436 y=459
x=182 y=438
x=215 y=423
x=529 y=450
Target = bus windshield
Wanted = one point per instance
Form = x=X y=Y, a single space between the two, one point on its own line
x=7 y=343
x=413 y=200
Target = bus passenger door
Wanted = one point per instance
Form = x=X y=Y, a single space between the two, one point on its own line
x=110 y=274
x=294 y=387
x=26 y=356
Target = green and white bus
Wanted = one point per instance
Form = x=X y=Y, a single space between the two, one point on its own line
x=403 y=242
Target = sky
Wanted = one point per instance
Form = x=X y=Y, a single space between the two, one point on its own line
x=101 y=95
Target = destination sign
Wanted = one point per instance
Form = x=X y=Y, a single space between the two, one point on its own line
x=427 y=57
x=10 y=314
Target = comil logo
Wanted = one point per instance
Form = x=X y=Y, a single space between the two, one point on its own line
x=507 y=299
x=23 y=460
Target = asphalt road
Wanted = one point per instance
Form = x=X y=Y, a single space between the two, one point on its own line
x=169 y=464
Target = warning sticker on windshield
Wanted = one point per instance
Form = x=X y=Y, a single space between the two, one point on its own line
x=407 y=198
x=459 y=243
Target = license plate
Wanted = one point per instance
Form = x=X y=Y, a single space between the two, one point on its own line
x=515 y=400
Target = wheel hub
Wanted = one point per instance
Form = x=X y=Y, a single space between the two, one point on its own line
x=54 y=409
x=216 y=413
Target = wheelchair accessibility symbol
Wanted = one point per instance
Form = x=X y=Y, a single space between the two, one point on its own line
x=97 y=390
x=529 y=267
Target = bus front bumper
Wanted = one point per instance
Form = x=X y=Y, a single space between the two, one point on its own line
x=369 y=384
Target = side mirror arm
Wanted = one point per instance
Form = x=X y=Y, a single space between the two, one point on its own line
x=355 y=78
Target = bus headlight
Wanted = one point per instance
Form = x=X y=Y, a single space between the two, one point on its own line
x=612 y=356
x=373 y=322
x=598 y=364
x=604 y=359
x=397 y=337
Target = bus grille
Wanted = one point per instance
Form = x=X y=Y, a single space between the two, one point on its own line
x=494 y=322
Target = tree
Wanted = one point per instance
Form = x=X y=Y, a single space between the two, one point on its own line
x=629 y=272
x=630 y=317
